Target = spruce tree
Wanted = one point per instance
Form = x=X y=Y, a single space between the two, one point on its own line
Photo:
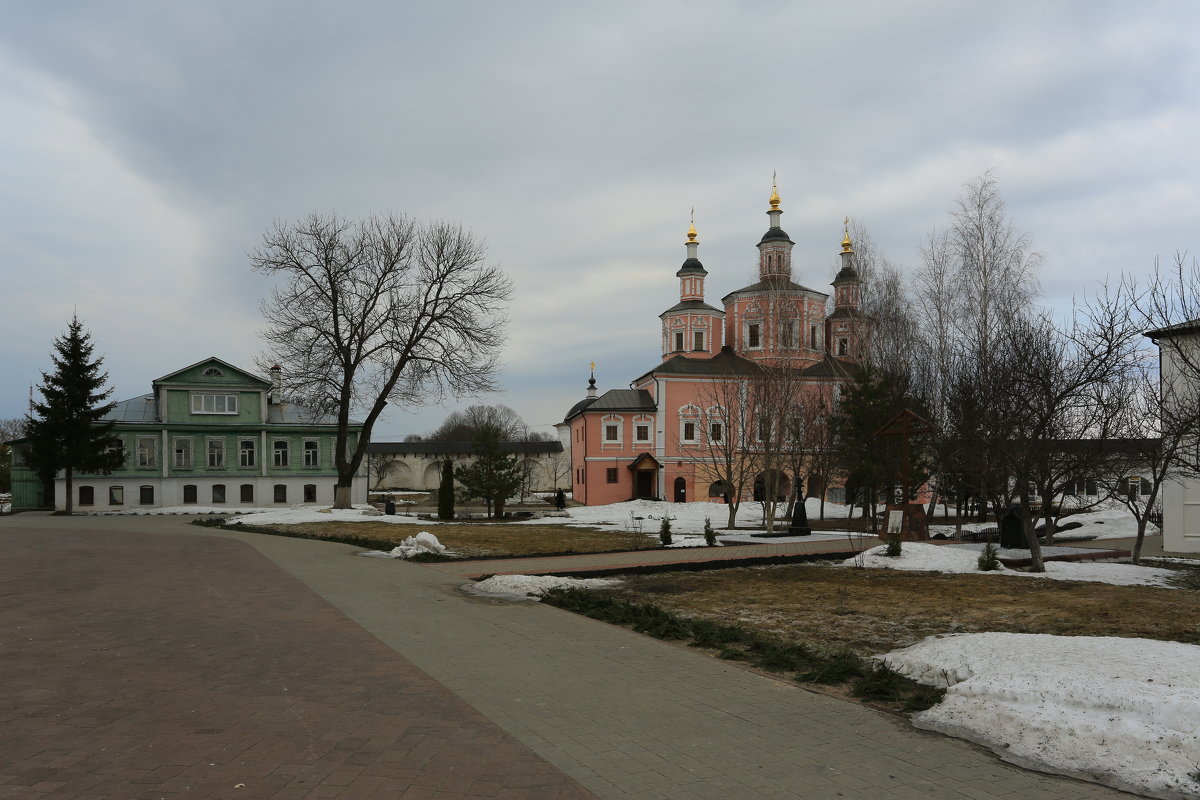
x=66 y=432
x=494 y=476
x=446 y=491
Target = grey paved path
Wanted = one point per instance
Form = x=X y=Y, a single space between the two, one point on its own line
x=632 y=717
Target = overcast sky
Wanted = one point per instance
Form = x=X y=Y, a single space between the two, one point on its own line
x=145 y=148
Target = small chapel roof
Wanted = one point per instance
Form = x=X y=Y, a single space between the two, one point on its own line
x=691 y=305
x=624 y=400
x=772 y=286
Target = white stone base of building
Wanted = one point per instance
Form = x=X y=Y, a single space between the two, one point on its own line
x=170 y=492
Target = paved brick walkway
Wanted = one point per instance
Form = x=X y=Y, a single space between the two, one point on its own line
x=624 y=715
x=142 y=665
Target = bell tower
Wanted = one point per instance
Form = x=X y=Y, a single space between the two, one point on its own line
x=847 y=325
x=775 y=248
x=691 y=326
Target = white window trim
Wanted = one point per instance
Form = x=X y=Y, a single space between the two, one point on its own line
x=253 y=450
x=287 y=453
x=191 y=453
x=198 y=399
x=690 y=413
x=756 y=324
x=208 y=443
x=153 y=453
x=316 y=450
x=649 y=423
x=612 y=419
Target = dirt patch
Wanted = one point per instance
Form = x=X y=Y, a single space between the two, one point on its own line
x=488 y=538
x=873 y=611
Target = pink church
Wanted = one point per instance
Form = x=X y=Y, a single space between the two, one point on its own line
x=653 y=440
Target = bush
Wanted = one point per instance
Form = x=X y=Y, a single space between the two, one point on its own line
x=664 y=532
x=893 y=545
x=710 y=536
x=989 y=559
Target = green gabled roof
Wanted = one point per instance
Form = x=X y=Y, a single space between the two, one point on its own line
x=230 y=375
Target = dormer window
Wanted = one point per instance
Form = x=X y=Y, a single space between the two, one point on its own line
x=204 y=403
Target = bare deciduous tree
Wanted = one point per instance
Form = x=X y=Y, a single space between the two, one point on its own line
x=378 y=310
x=1160 y=417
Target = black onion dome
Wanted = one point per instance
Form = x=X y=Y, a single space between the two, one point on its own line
x=691 y=267
x=774 y=234
x=579 y=407
x=847 y=274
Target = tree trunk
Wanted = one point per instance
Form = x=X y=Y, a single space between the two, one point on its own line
x=69 y=491
x=1048 y=521
x=1141 y=535
x=341 y=496
x=733 y=509
x=1035 y=547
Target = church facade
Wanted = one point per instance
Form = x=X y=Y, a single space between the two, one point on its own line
x=675 y=432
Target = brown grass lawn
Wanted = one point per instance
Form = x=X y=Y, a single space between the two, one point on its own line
x=873 y=611
x=473 y=539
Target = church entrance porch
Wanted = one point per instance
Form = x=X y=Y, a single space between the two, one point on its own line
x=645 y=477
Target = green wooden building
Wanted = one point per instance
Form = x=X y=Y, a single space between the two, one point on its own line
x=207 y=435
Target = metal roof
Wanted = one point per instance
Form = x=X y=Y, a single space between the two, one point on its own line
x=461 y=448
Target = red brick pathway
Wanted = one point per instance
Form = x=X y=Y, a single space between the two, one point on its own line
x=137 y=665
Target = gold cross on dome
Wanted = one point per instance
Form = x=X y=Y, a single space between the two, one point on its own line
x=593 y=366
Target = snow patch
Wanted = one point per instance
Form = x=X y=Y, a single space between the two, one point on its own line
x=530 y=587
x=951 y=558
x=423 y=542
x=1122 y=712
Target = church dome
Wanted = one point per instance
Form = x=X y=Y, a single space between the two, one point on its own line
x=775 y=234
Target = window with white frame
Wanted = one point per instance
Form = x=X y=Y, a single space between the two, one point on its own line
x=246 y=448
x=843 y=347
x=787 y=335
x=312 y=454
x=754 y=335
x=216 y=452
x=281 y=453
x=612 y=430
x=698 y=340
x=813 y=341
x=716 y=431
x=642 y=429
x=764 y=430
x=205 y=403
x=147 y=447
x=678 y=340
x=689 y=424
x=183 y=453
